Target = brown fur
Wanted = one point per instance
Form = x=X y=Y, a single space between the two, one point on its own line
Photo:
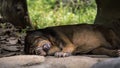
x=73 y=39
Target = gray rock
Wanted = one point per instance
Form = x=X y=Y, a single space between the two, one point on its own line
x=10 y=48
x=69 y=62
x=32 y=61
x=111 y=63
x=0 y=50
x=21 y=61
x=12 y=40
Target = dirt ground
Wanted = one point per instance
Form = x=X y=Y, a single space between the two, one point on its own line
x=11 y=40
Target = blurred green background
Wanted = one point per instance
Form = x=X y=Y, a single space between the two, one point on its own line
x=44 y=13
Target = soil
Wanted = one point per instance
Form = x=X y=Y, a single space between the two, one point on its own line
x=11 y=40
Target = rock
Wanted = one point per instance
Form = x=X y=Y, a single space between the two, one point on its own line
x=32 y=61
x=69 y=62
x=0 y=50
x=21 y=61
x=8 y=54
x=111 y=63
x=12 y=40
x=1 y=31
x=10 y=48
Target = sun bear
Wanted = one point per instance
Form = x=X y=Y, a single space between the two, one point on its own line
x=66 y=40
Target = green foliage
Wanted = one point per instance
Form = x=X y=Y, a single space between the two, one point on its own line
x=46 y=13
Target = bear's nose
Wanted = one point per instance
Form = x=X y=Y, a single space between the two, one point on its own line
x=46 y=47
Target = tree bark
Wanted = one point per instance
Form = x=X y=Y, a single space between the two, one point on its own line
x=108 y=14
x=16 y=12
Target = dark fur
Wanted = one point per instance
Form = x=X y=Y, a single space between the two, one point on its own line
x=73 y=39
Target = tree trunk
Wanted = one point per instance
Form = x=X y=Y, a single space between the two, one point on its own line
x=16 y=12
x=108 y=14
